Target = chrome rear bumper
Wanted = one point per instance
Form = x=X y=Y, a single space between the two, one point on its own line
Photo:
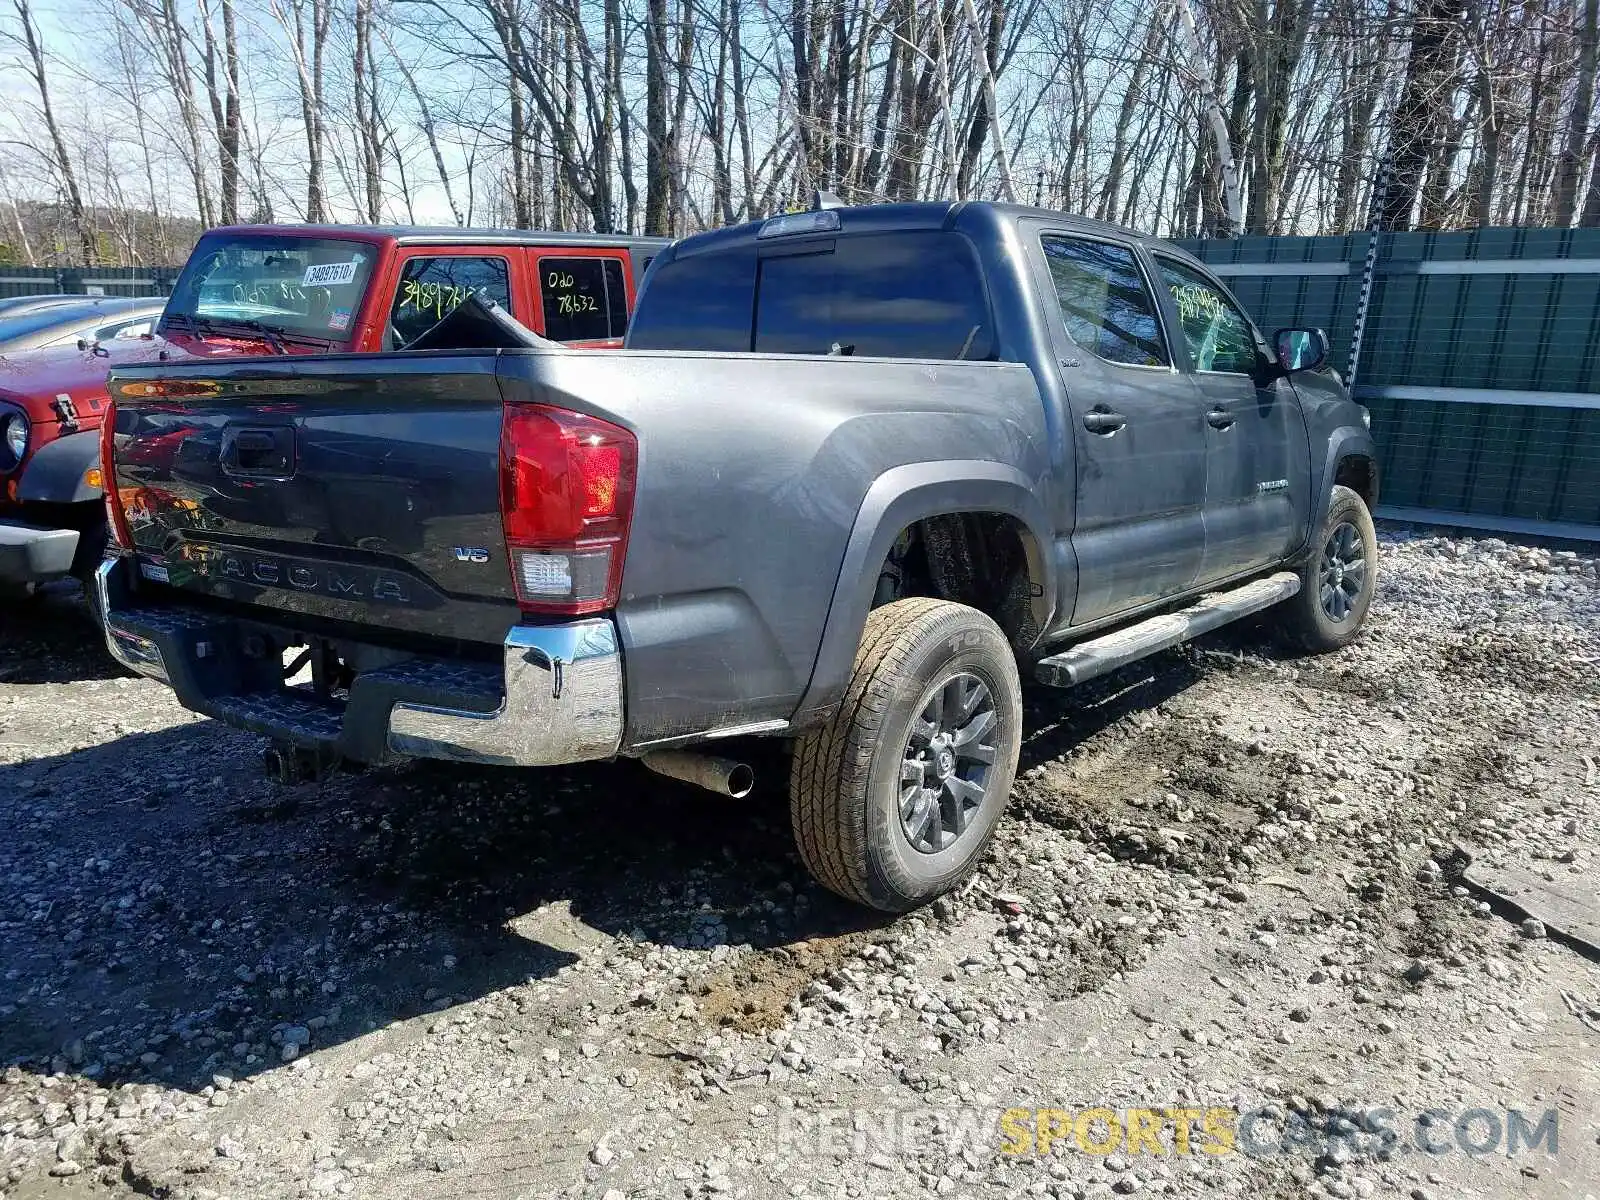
x=557 y=697
x=563 y=704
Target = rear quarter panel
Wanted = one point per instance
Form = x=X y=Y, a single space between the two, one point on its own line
x=752 y=474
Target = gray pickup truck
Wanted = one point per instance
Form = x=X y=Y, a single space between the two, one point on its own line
x=856 y=473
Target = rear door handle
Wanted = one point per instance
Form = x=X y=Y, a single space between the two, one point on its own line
x=1220 y=418
x=1103 y=421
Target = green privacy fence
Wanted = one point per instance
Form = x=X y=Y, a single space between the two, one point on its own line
x=1480 y=361
x=95 y=281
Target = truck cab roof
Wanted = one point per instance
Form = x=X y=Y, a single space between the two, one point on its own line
x=916 y=215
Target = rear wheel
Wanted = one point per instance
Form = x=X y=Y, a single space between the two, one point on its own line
x=894 y=800
x=1337 y=579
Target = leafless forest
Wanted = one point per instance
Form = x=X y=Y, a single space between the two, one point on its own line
x=125 y=122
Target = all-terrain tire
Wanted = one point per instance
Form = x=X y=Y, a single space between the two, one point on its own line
x=1337 y=579
x=847 y=784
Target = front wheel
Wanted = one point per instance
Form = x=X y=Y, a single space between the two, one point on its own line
x=894 y=800
x=92 y=544
x=1337 y=579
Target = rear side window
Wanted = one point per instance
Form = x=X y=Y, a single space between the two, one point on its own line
x=1106 y=306
x=584 y=299
x=431 y=288
x=903 y=295
x=699 y=302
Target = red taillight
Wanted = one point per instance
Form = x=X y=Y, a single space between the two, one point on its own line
x=116 y=519
x=566 y=496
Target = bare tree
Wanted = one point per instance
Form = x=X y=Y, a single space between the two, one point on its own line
x=60 y=161
x=306 y=24
x=222 y=91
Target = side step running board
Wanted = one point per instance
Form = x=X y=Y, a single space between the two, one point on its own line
x=1113 y=650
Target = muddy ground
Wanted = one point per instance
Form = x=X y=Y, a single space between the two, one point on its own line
x=1230 y=907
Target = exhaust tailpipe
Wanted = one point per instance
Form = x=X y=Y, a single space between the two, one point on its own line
x=723 y=776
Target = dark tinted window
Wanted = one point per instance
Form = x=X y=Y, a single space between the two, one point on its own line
x=1105 y=304
x=616 y=297
x=584 y=298
x=699 y=302
x=1219 y=335
x=903 y=295
x=433 y=288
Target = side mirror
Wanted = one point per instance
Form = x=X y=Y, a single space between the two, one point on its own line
x=1301 y=349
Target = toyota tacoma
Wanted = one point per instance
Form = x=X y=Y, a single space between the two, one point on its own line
x=857 y=473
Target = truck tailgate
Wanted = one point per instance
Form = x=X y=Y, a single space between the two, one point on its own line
x=323 y=489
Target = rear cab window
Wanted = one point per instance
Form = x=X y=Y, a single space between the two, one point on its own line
x=432 y=286
x=1106 y=303
x=699 y=301
x=583 y=299
x=917 y=294
x=897 y=295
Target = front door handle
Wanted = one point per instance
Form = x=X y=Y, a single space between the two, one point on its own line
x=1220 y=418
x=1103 y=421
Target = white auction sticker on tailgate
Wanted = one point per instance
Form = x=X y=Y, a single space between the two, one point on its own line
x=331 y=274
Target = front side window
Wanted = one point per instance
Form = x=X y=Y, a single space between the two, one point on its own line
x=433 y=286
x=1106 y=306
x=903 y=295
x=584 y=299
x=1219 y=336
x=124 y=329
x=300 y=286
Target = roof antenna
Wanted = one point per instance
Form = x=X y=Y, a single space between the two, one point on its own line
x=822 y=200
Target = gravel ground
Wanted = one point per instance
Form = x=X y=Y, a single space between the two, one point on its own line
x=1229 y=885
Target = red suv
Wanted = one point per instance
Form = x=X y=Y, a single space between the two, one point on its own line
x=282 y=289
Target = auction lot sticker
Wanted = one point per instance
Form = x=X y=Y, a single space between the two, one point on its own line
x=331 y=274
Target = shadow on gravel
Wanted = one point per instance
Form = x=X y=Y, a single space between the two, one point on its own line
x=166 y=912
x=50 y=638
x=1055 y=720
